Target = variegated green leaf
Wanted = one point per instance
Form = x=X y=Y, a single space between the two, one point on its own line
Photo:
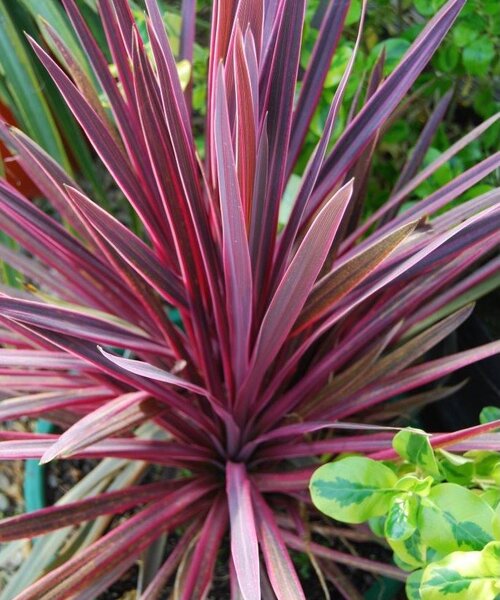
x=411 y=483
x=410 y=553
x=353 y=489
x=486 y=465
x=412 y=587
x=492 y=497
x=454 y=518
x=414 y=446
x=455 y=467
x=401 y=520
x=464 y=576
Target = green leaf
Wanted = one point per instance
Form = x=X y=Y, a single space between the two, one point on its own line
x=377 y=525
x=489 y=414
x=91 y=4
x=394 y=51
x=51 y=11
x=455 y=518
x=492 y=497
x=468 y=533
x=491 y=7
x=412 y=587
x=8 y=275
x=398 y=133
x=478 y=56
x=353 y=489
x=339 y=64
x=464 y=576
x=486 y=464
x=414 y=446
x=424 y=7
x=456 y=468
x=411 y=483
x=29 y=104
x=401 y=520
x=410 y=553
x=447 y=58
x=288 y=199
x=354 y=12
x=448 y=581
x=466 y=31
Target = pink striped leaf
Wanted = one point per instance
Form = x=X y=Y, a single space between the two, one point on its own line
x=42 y=521
x=296 y=284
x=35 y=404
x=414 y=377
x=362 y=129
x=158 y=452
x=244 y=544
x=197 y=578
x=131 y=248
x=77 y=324
x=280 y=569
x=237 y=272
x=116 y=416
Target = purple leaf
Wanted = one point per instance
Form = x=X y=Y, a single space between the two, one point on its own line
x=130 y=538
x=314 y=78
x=244 y=544
x=296 y=284
x=39 y=522
x=238 y=278
x=117 y=416
x=279 y=565
x=277 y=89
x=197 y=578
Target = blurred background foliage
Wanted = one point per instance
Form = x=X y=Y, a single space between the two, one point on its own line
x=468 y=63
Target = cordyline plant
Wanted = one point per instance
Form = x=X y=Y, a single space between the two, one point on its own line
x=286 y=334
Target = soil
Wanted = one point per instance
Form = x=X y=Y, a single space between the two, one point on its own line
x=62 y=475
x=11 y=488
x=124 y=588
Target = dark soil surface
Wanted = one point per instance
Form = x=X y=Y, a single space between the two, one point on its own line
x=124 y=588
x=62 y=475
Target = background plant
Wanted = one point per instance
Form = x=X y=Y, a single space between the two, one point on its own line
x=30 y=95
x=467 y=63
x=285 y=331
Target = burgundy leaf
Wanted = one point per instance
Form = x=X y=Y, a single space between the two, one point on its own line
x=244 y=544
x=296 y=284
x=39 y=522
x=314 y=78
x=279 y=565
x=134 y=535
x=116 y=416
x=235 y=253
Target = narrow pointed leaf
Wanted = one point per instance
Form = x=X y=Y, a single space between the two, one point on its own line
x=344 y=277
x=280 y=569
x=244 y=544
x=33 y=524
x=297 y=281
x=234 y=241
x=115 y=417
